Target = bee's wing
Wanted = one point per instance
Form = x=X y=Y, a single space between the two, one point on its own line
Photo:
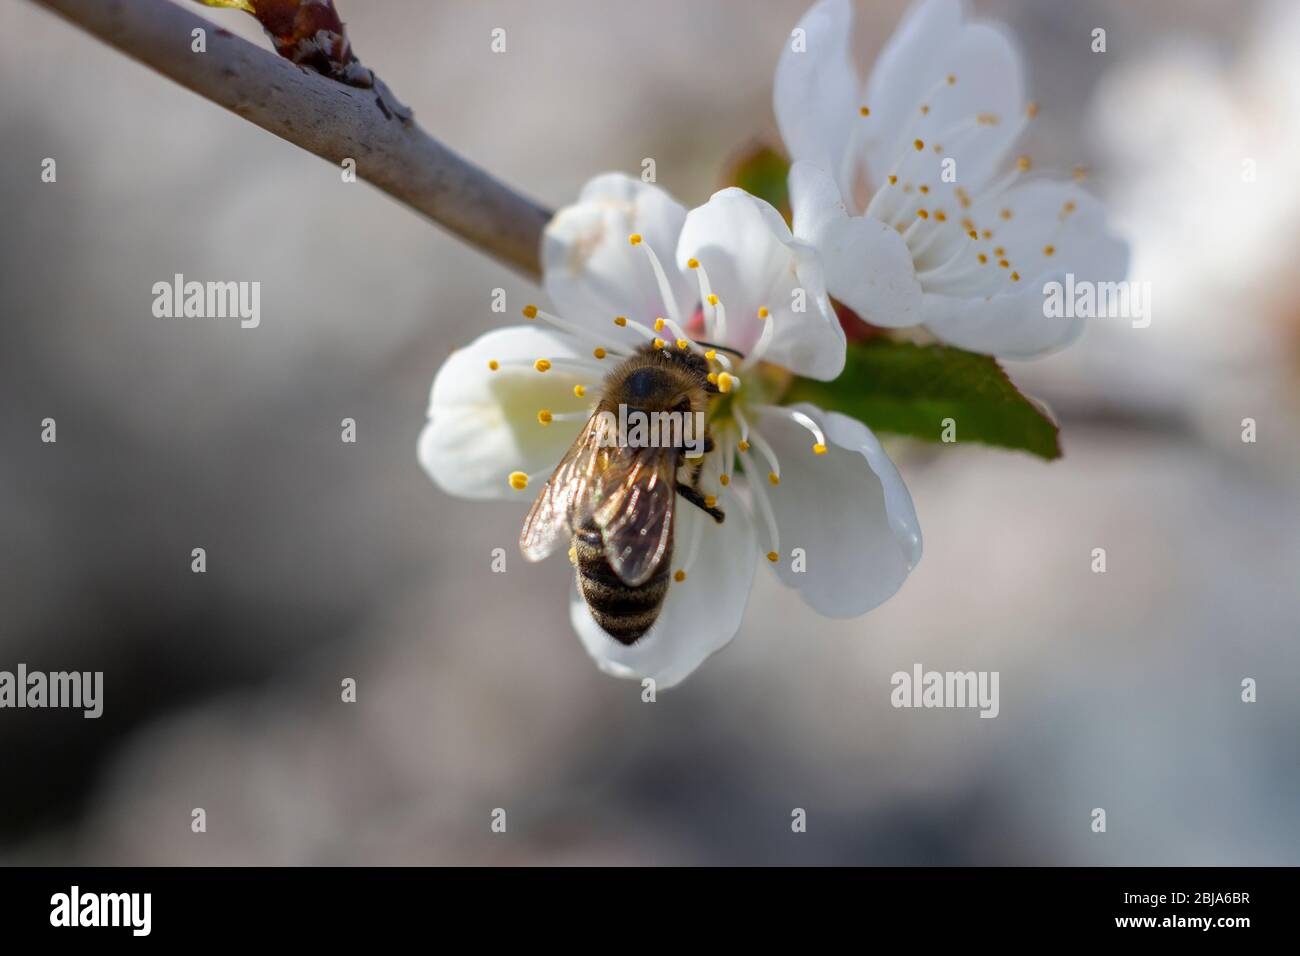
x=634 y=510
x=566 y=501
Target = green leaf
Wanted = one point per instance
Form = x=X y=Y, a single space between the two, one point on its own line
x=910 y=389
x=761 y=171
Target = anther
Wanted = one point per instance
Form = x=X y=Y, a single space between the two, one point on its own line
x=773 y=557
x=493 y=364
x=919 y=144
x=579 y=391
x=660 y=343
x=635 y=238
x=530 y=312
x=518 y=480
x=620 y=321
x=742 y=445
x=692 y=263
x=544 y=417
x=598 y=352
x=725 y=381
x=660 y=323
x=773 y=477
x=679 y=576
x=819 y=449
x=864 y=111
x=724 y=479
x=542 y=365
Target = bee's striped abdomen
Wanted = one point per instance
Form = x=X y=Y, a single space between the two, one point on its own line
x=623 y=612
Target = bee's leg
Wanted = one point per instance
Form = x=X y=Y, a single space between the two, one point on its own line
x=692 y=494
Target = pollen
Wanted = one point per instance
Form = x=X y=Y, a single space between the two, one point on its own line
x=973 y=234
x=530 y=312
x=710 y=501
x=773 y=477
x=713 y=378
x=940 y=215
x=763 y=313
x=542 y=365
x=742 y=445
x=660 y=323
x=1015 y=277
x=983 y=258
x=518 y=480
x=682 y=344
x=713 y=299
x=919 y=144
x=598 y=352
x=893 y=180
x=493 y=364
x=724 y=382
x=922 y=214
x=544 y=417
x=724 y=480
x=635 y=238
x=620 y=321
x=711 y=355
x=819 y=449
x=864 y=111
x=773 y=557
x=1023 y=163
x=1049 y=250
x=679 y=575
x=692 y=263
x=1004 y=264
x=924 y=188
x=579 y=391
x=660 y=343
x=1000 y=252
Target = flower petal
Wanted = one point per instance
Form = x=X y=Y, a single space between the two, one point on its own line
x=868 y=265
x=932 y=44
x=1053 y=229
x=700 y=614
x=816 y=86
x=483 y=424
x=847 y=509
x=753 y=262
x=590 y=270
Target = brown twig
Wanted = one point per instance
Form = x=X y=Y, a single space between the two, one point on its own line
x=333 y=120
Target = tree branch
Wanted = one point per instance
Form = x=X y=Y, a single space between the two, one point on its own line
x=324 y=117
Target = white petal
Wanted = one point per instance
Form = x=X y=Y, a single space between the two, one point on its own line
x=1008 y=319
x=868 y=265
x=483 y=424
x=700 y=615
x=816 y=86
x=754 y=262
x=847 y=509
x=934 y=42
x=590 y=270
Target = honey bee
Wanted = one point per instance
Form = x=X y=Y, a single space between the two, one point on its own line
x=617 y=504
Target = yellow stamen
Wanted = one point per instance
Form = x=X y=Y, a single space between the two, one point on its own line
x=711 y=355
x=530 y=312
x=713 y=299
x=579 y=391
x=919 y=144
x=710 y=501
x=724 y=480
x=763 y=313
x=773 y=556
x=682 y=344
x=1023 y=163
x=713 y=378
x=1031 y=109
x=922 y=214
x=819 y=449
x=544 y=417
x=660 y=323
x=952 y=80
x=542 y=365
x=1015 y=277
x=864 y=111
x=724 y=382
x=893 y=180
x=773 y=477
x=660 y=343
x=518 y=480
x=620 y=321
x=1005 y=214
x=493 y=364
x=1049 y=250
x=598 y=352
x=742 y=445
x=692 y=263
x=679 y=576
x=635 y=238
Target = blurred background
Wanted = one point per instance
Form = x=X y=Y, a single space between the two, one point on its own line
x=328 y=560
